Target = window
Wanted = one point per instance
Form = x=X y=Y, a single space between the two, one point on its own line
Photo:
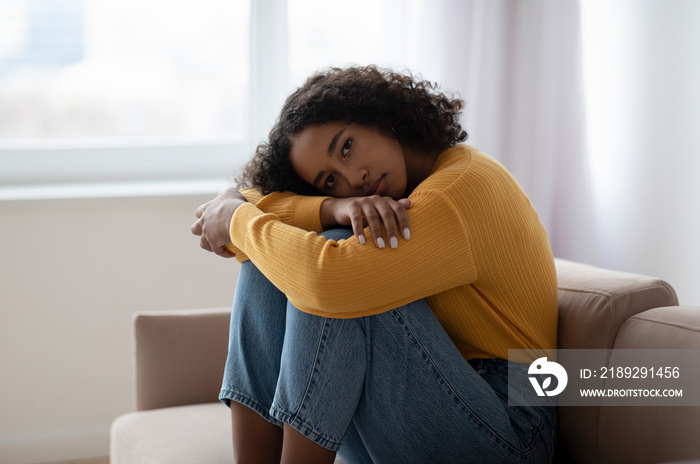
x=85 y=83
x=144 y=68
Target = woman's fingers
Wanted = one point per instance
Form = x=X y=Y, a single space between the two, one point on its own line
x=387 y=213
x=383 y=215
x=401 y=214
x=374 y=222
x=357 y=222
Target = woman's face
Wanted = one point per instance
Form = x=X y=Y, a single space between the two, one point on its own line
x=349 y=160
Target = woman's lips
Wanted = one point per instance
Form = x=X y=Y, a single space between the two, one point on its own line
x=378 y=187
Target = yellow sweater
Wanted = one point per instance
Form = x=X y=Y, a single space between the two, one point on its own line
x=478 y=254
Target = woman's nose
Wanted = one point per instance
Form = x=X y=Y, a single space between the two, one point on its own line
x=357 y=178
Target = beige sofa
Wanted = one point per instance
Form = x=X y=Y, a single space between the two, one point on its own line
x=179 y=357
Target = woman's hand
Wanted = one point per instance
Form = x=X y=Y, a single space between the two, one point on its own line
x=373 y=211
x=214 y=220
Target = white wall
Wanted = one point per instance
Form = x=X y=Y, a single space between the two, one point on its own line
x=72 y=273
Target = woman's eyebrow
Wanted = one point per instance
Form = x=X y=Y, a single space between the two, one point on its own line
x=334 y=141
x=318 y=178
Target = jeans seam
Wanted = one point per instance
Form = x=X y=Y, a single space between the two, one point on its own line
x=525 y=420
x=308 y=431
x=499 y=439
x=246 y=400
x=296 y=419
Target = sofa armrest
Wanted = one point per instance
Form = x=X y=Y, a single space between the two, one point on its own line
x=179 y=356
x=595 y=302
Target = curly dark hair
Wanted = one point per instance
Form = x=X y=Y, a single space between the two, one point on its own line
x=411 y=110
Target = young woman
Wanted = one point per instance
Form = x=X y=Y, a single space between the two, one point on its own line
x=386 y=272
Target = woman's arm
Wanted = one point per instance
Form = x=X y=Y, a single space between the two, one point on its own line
x=293 y=209
x=347 y=279
x=307 y=213
x=214 y=217
x=296 y=210
x=322 y=213
x=299 y=211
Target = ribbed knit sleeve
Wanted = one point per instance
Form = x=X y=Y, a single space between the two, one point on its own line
x=299 y=211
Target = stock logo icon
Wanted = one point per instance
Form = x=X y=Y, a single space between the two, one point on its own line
x=541 y=368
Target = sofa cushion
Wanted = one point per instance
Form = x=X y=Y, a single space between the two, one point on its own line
x=193 y=434
x=645 y=428
x=674 y=327
x=183 y=434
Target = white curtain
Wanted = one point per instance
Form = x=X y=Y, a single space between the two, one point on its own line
x=518 y=66
x=642 y=73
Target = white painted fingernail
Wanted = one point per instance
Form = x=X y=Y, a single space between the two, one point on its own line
x=380 y=242
x=393 y=242
x=361 y=239
x=406 y=233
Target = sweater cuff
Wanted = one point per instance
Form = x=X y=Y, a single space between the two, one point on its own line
x=240 y=222
x=308 y=212
x=303 y=212
x=240 y=256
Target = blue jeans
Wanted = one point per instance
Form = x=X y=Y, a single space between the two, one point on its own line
x=390 y=388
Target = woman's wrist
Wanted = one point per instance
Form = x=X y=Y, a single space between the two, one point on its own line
x=214 y=221
x=328 y=221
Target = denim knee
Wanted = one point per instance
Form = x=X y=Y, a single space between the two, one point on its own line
x=337 y=234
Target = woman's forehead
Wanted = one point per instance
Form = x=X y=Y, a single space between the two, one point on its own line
x=318 y=138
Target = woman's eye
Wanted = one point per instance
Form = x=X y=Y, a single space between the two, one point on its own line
x=346 y=147
x=330 y=180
